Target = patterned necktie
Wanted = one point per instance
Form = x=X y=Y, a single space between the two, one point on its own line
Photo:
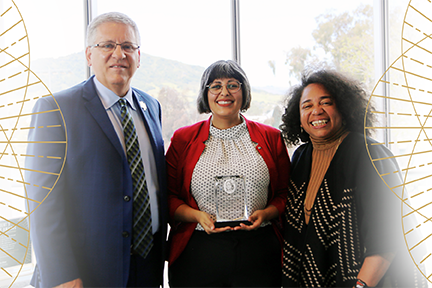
x=142 y=224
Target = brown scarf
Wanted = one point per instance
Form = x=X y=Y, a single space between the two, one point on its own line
x=322 y=154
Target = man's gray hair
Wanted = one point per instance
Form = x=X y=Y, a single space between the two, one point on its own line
x=115 y=17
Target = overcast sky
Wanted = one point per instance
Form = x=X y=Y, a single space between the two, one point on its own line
x=191 y=31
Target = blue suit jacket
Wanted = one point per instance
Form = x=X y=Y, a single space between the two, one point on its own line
x=82 y=229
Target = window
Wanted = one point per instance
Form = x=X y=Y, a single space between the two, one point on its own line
x=408 y=116
x=278 y=39
x=179 y=39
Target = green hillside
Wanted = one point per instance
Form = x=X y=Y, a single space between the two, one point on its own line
x=155 y=72
x=173 y=83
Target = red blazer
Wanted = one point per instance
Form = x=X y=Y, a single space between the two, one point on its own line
x=187 y=145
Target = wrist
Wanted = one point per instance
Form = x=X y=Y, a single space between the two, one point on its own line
x=360 y=284
x=271 y=212
x=199 y=216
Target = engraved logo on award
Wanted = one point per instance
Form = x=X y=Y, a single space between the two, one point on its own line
x=231 y=201
x=229 y=186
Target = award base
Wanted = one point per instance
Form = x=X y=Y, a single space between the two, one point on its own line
x=231 y=223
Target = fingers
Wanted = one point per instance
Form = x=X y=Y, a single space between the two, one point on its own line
x=245 y=227
x=256 y=219
x=218 y=230
x=208 y=229
x=222 y=229
x=206 y=222
x=255 y=225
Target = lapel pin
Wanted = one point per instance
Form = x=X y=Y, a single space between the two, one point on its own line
x=143 y=105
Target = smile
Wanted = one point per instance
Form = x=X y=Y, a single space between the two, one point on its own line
x=224 y=102
x=319 y=122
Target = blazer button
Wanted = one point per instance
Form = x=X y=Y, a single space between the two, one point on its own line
x=259 y=147
x=125 y=234
x=126 y=198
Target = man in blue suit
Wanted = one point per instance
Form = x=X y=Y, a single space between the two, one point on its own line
x=84 y=232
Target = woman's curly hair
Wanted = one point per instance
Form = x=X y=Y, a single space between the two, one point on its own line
x=349 y=95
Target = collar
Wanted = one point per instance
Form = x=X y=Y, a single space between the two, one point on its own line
x=337 y=137
x=109 y=98
x=233 y=132
x=204 y=135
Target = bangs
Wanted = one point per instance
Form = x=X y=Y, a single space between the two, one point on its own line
x=224 y=71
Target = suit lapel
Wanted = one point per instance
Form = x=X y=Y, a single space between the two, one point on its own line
x=96 y=109
x=149 y=121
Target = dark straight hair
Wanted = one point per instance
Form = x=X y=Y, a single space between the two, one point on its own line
x=218 y=70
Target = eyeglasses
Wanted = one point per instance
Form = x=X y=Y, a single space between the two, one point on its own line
x=109 y=46
x=216 y=87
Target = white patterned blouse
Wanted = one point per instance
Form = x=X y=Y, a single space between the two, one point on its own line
x=230 y=152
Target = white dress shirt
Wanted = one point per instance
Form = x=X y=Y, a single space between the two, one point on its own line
x=109 y=101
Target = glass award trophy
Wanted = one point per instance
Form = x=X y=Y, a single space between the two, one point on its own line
x=231 y=201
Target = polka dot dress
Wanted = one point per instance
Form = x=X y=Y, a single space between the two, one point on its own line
x=230 y=152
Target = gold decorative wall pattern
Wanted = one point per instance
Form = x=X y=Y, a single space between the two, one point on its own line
x=409 y=120
x=20 y=88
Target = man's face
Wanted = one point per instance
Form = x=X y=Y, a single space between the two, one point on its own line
x=114 y=69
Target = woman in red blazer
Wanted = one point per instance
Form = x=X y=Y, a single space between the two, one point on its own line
x=240 y=254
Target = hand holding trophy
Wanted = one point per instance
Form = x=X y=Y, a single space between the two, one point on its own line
x=231 y=201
